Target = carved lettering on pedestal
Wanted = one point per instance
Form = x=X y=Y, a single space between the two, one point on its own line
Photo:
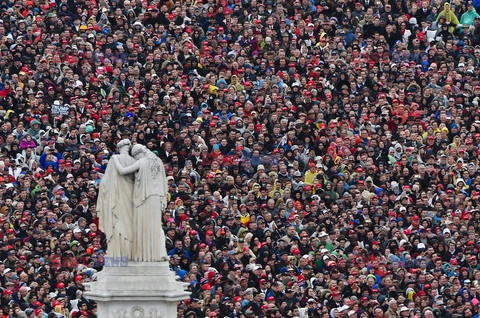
x=153 y=313
x=137 y=312
x=120 y=313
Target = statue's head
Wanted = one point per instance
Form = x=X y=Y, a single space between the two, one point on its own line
x=137 y=150
x=123 y=143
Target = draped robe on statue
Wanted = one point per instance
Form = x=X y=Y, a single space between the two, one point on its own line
x=115 y=209
x=149 y=200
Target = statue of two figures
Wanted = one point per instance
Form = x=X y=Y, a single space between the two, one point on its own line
x=131 y=201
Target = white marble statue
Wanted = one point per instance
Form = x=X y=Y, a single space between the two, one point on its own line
x=149 y=202
x=115 y=205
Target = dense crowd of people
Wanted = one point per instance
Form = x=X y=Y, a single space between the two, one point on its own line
x=322 y=157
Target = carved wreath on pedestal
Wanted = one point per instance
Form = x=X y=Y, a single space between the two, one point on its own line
x=137 y=312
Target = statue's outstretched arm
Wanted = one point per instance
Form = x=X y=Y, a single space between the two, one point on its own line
x=126 y=170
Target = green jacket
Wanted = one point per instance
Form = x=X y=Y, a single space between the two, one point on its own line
x=468 y=17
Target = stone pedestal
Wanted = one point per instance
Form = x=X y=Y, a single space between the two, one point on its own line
x=137 y=290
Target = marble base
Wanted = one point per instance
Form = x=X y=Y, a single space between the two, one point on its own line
x=137 y=290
